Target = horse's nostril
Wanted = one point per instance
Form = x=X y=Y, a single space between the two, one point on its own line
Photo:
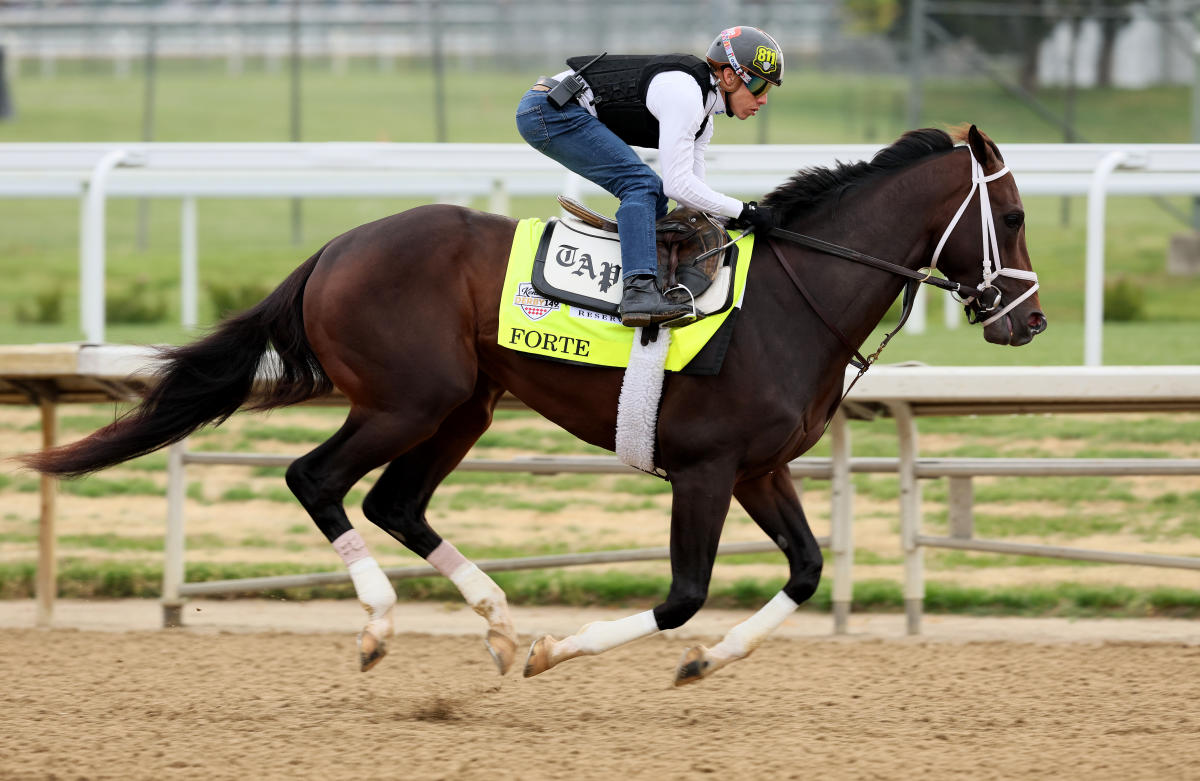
x=1037 y=322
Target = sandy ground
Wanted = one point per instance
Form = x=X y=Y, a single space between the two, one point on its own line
x=271 y=690
x=267 y=690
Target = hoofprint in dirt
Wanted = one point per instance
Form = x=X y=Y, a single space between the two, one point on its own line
x=237 y=514
x=155 y=705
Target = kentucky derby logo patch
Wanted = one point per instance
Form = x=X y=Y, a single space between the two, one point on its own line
x=532 y=303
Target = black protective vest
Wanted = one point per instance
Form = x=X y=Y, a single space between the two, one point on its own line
x=620 y=81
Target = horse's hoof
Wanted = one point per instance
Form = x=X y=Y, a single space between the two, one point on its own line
x=538 y=660
x=693 y=665
x=371 y=649
x=503 y=650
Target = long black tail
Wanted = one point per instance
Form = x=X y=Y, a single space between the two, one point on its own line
x=207 y=381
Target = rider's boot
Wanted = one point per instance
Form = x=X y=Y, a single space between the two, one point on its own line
x=642 y=303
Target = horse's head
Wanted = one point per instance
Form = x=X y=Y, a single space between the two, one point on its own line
x=983 y=247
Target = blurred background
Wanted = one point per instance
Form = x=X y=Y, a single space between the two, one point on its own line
x=858 y=71
x=436 y=70
x=452 y=71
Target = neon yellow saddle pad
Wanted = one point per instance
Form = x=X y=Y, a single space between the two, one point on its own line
x=531 y=323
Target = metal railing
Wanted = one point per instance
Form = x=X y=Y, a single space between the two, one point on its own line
x=456 y=172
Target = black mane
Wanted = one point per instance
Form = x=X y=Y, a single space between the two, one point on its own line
x=810 y=187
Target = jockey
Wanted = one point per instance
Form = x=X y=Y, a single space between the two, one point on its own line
x=587 y=118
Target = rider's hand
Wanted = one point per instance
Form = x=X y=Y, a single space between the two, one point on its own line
x=760 y=218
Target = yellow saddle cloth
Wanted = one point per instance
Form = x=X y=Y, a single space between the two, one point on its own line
x=531 y=323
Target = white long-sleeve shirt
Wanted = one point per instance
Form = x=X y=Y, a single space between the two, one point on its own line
x=675 y=100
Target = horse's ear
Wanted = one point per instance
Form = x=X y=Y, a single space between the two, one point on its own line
x=979 y=148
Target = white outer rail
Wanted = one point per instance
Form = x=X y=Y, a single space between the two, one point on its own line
x=908 y=391
x=495 y=171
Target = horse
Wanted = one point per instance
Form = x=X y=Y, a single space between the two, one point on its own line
x=400 y=315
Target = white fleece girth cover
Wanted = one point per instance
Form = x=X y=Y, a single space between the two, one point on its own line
x=637 y=408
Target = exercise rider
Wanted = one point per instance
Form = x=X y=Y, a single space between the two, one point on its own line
x=589 y=117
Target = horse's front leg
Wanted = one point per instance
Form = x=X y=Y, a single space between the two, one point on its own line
x=772 y=502
x=700 y=500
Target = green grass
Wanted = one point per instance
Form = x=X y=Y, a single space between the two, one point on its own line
x=1054 y=489
x=287 y=434
x=239 y=493
x=542 y=440
x=477 y=498
x=248 y=242
x=1069 y=524
x=96 y=487
x=197 y=100
x=83 y=579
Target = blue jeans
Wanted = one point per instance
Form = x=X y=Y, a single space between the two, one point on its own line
x=583 y=144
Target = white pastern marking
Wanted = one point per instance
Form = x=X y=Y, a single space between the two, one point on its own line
x=741 y=641
x=600 y=636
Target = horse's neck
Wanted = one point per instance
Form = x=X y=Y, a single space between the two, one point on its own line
x=886 y=221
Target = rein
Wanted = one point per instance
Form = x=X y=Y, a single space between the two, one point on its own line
x=979 y=301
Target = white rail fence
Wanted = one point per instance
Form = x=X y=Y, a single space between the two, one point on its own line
x=94 y=173
x=902 y=392
x=61 y=373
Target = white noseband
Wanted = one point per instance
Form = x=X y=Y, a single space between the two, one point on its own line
x=991 y=248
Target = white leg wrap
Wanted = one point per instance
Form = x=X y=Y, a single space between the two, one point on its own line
x=741 y=641
x=373 y=588
x=482 y=594
x=600 y=636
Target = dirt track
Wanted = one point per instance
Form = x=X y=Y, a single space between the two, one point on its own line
x=214 y=704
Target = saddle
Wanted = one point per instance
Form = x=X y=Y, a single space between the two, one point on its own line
x=685 y=236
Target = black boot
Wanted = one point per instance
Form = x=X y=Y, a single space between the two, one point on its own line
x=642 y=303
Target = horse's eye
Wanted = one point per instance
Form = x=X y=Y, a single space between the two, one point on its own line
x=1014 y=219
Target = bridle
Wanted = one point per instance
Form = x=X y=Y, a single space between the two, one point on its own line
x=986 y=296
x=980 y=301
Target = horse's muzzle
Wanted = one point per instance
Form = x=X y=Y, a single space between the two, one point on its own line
x=1016 y=329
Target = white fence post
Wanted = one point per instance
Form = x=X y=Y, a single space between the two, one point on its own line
x=1093 y=308
x=910 y=515
x=173 y=571
x=188 y=273
x=916 y=320
x=841 y=522
x=951 y=312
x=91 y=292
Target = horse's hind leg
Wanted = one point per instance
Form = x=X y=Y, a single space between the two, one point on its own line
x=700 y=500
x=321 y=479
x=772 y=502
x=398 y=501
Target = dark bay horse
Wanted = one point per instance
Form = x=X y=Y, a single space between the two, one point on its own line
x=401 y=316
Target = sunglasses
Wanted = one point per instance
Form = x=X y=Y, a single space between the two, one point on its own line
x=758 y=85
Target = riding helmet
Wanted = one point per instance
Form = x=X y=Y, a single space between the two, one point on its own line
x=753 y=55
